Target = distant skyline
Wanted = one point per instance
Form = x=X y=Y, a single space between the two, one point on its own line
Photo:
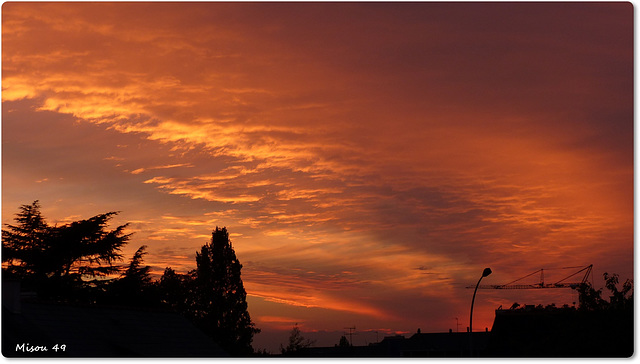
x=368 y=159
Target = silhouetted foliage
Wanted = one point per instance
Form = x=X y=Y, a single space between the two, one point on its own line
x=262 y=353
x=619 y=299
x=75 y=262
x=136 y=273
x=23 y=243
x=175 y=291
x=591 y=299
x=597 y=328
x=134 y=287
x=213 y=296
x=57 y=261
x=344 y=342
x=296 y=343
x=219 y=298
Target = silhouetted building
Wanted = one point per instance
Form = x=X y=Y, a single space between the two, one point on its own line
x=561 y=332
x=528 y=332
x=88 y=331
x=421 y=345
x=445 y=345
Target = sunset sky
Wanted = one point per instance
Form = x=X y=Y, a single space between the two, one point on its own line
x=368 y=159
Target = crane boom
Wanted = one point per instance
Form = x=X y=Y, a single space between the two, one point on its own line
x=559 y=284
x=527 y=286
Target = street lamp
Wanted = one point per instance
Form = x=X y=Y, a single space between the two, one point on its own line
x=485 y=273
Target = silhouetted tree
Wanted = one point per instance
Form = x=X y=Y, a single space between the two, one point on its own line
x=70 y=262
x=136 y=272
x=220 y=305
x=591 y=299
x=262 y=353
x=344 y=342
x=296 y=343
x=23 y=244
x=55 y=259
x=134 y=287
x=619 y=299
x=175 y=291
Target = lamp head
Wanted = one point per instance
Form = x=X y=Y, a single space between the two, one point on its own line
x=486 y=272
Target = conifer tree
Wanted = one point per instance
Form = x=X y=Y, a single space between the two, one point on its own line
x=134 y=287
x=220 y=307
x=136 y=272
x=56 y=261
x=24 y=244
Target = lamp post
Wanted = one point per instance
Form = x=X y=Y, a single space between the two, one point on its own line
x=485 y=273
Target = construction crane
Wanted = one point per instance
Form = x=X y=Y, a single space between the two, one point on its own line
x=559 y=284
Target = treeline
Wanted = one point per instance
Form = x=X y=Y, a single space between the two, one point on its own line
x=81 y=263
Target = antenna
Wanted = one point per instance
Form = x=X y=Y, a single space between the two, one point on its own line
x=351 y=333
